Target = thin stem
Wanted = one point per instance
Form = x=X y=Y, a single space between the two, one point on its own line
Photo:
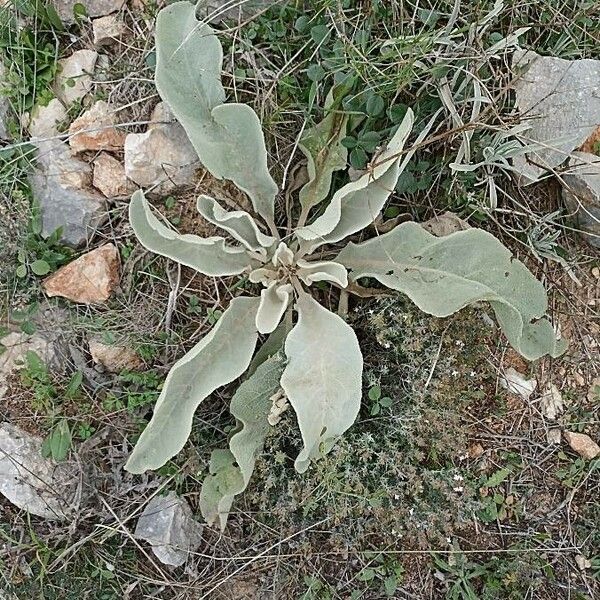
x=303 y=216
x=273 y=229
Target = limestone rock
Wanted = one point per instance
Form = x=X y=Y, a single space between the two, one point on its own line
x=16 y=345
x=45 y=119
x=162 y=157
x=161 y=114
x=31 y=482
x=109 y=177
x=59 y=185
x=107 y=29
x=114 y=358
x=553 y=436
x=551 y=402
x=74 y=80
x=54 y=158
x=97 y=129
x=445 y=224
x=583 y=444
x=518 y=384
x=94 y=8
x=581 y=193
x=89 y=279
x=168 y=524
x=560 y=99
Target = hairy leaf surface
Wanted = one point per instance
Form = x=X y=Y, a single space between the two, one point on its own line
x=311 y=272
x=272 y=345
x=323 y=377
x=219 y=358
x=443 y=275
x=358 y=203
x=227 y=137
x=238 y=223
x=324 y=152
x=273 y=302
x=210 y=256
x=231 y=469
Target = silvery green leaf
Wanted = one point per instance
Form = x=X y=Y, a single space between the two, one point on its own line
x=230 y=470
x=220 y=357
x=272 y=345
x=222 y=483
x=323 y=377
x=263 y=275
x=238 y=223
x=210 y=256
x=324 y=152
x=311 y=272
x=273 y=302
x=283 y=255
x=227 y=137
x=443 y=275
x=358 y=203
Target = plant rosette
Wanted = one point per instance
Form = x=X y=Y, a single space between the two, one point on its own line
x=314 y=358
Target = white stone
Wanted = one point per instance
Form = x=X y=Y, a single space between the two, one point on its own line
x=74 y=80
x=45 y=119
x=581 y=193
x=554 y=436
x=162 y=157
x=31 y=482
x=560 y=99
x=94 y=8
x=168 y=524
x=16 y=346
x=59 y=184
x=517 y=384
x=551 y=402
x=107 y=29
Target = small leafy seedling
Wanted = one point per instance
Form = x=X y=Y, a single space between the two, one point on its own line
x=377 y=402
x=58 y=443
x=314 y=359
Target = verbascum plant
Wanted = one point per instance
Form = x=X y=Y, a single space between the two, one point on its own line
x=311 y=358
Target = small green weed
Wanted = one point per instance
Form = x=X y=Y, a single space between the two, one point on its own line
x=377 y=401
x=30 y=51
x=384 y=573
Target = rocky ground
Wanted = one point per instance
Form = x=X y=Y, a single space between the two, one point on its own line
x=470 y=472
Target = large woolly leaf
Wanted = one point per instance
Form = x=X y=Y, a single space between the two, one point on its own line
x=238 y=223
x=227 y=137
x=219 y=358
x=442 y=275
x=323 y=377
x=358 y=203
x=210 y=256
x=230 y=470
x=324 y=152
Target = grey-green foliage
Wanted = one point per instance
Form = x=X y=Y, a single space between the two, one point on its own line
x=230 y=470
x=316 y=364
